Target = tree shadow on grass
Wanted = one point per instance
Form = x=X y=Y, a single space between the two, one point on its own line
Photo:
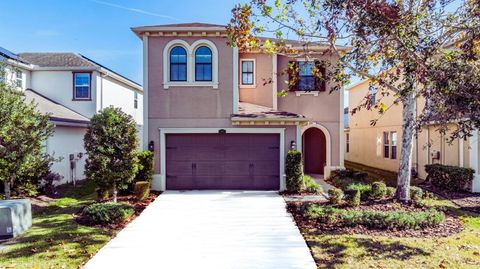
x=56 y=234
x=330 y=251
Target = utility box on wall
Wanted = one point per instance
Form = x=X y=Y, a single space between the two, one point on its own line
x=15 y=217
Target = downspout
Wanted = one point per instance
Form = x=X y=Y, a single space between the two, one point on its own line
x=416 y=142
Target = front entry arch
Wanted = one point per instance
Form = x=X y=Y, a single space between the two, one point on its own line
x=315 y=151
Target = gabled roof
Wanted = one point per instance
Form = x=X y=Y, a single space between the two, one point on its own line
x=56 y=59
x=57 y=112
x=73 y=61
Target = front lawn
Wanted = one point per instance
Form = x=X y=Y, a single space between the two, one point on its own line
x=343 y=250
x=56 y=240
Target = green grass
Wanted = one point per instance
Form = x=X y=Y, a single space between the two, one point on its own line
x=363 y=251
x=55 y=239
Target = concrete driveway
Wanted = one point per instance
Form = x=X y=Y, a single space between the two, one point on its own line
x=209 y=229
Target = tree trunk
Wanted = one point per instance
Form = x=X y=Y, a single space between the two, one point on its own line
x=6 y=184
x=114 y=192
x=408 y=132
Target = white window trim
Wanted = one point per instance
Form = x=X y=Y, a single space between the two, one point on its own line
x=248 y=86
x=90 y=77
x=19 y=79
x=190 y=64
x=159 y=182
x=299 y=93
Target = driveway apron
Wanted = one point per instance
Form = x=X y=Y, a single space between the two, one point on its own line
x=209 y=229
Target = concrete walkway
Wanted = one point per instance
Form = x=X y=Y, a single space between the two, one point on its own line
x=209 y=229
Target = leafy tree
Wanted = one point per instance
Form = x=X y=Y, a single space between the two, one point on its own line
x=111 y=143
x=407 y=49
x=23 y=131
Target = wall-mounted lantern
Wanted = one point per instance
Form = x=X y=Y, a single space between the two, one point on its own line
x=151 y=146
x=293 y=145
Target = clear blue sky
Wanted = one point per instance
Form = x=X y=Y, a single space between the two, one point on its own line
x=99 y=29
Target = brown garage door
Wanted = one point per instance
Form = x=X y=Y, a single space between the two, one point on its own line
x=223 y=161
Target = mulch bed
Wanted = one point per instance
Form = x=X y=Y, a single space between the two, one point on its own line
x=138 y=206
x=466 y=200
x=450 y=226
x=301 y=193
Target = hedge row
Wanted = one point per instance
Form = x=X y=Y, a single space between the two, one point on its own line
x=451 y=178
x=398 y=220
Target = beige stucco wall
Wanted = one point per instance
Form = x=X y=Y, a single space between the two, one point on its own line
x=261 y=93
x=324 y=109
x=366 y=141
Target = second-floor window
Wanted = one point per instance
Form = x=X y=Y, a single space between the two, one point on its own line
x=178 y=64
x=248 y=75
x=135 y=100
x=19 y=79
x=81 y=86
x=203 y=64
x=306 y=79
x=306 y=76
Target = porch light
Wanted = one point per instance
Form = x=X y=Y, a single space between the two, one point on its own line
x=293 y=145
x=151 y=146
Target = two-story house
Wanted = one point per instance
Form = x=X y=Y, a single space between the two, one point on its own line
x=214 y=118
x=71 y=88
x=379 y=146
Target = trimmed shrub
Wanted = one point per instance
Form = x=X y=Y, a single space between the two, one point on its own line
x=416 y=193
x=335 y=195
x=141 y=190
x=311 y=186
x=451 y=178
x=390 y=192
x=379 y=189
x=145 y=166
x=353 y=197
x=323 y=214
x=395 y=220
x=364 y=189
x=294 y=171
x=108 y=213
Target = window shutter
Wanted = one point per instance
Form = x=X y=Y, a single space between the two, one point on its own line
x=320 y=83
x=293 y=76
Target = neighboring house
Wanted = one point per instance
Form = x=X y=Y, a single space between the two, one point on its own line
x=71 y=88
x=214 y=119
x=379 y=146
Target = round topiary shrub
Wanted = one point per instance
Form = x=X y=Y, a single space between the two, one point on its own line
x=353 y=197
x=335 y=195
x=390 y=192
x=416 y=194
x=379 y=189
x=108 y=213
x=141 y=190
x=364 y=189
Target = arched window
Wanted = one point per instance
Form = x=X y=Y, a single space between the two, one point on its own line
x=203 y=64
x=178 y=64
